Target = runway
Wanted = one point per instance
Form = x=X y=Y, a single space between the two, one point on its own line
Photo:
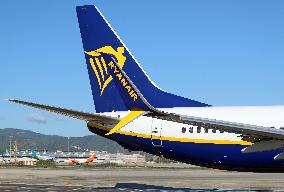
x=117 y=179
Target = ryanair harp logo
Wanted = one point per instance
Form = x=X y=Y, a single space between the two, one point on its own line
x=99 y=65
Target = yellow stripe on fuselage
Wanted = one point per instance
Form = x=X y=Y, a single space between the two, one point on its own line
x=128 y=118
x=163 y=138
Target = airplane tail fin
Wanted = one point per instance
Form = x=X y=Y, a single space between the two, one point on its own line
x=33 y=152
x=99 y=38
x=91 y=158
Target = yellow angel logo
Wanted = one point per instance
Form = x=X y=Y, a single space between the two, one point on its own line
x=99 y=65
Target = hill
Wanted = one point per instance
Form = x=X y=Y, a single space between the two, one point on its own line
x=27 y=140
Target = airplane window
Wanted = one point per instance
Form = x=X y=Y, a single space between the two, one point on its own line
x=183 y=130
x=222 y=131
x=198 y=129
x=190 y=130
x=206 y=130
x=213 y=130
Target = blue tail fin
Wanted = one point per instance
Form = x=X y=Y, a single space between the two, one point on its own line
x=98 y=39
x=132 y=97
x=33 y=153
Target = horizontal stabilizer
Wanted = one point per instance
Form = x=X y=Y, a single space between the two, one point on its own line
x=71 y=113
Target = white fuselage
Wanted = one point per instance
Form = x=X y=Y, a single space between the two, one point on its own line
x=266 y=116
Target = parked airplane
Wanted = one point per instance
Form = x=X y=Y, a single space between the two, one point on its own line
x=80 y=161
x=135 y=113
x=40 y=157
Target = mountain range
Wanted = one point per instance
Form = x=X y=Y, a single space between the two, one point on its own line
x=27 y=140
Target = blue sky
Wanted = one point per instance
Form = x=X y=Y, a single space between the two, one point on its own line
x=218 y=52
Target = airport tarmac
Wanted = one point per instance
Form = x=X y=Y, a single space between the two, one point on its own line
x=116 y=179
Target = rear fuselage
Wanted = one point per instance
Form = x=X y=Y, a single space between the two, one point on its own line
x=200 y=146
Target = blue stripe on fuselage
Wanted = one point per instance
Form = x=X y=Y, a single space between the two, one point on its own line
x=223 y=156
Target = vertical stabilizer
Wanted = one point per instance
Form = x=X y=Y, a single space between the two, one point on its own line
x=98 y=39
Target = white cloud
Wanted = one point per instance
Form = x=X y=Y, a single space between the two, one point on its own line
x=37 y=118
x=58 y=117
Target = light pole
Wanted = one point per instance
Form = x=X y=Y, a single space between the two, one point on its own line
x=68 y=145
x=10 y=148
x=15 y=151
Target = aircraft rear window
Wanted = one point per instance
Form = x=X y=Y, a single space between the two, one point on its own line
x=198 y=129
x=213 y=130
x=190 y=130
x=183 y=130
